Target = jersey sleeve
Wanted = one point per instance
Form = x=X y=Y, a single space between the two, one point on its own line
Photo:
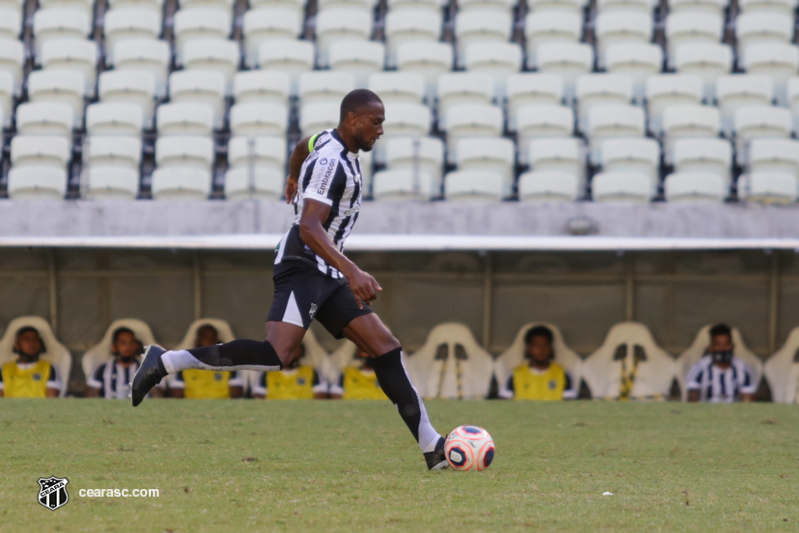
x=260 y=385
x=52 y=380
x=748 y=385
x=694 y=379
x=327 y=182
x=96 y=379
x=506 y=392
x=319 y=383
x=236 y=379
x=1 y=379
x=570 y=387
x=177 y=381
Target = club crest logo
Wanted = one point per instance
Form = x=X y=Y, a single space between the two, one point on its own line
x=53 y=492
x=312 y=312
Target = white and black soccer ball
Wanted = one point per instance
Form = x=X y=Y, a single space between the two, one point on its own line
x=469 y=448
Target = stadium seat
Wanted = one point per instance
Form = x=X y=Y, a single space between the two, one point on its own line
x=430 y=6
x=263 y=25
x=6 y=98
x=199 y=24
x=37 y=183
x=695 y=187
x=101 y=352
x=367 y=6
x=641 y=156
x=200 y=87
x=704 y=156
x=640 y=6
x=769 y=188
x=614 y=120
x=489 y=155
x=468 y=185
x=403 y=120
x=316 y=118
x=638 y=61
x=708 y=61
x=84 y=6
x=110 y=183
x=666 y=90
x=366 y=163
x=45 y=119
x=502 y=6
x=550 y=27
x=185 y=119
x=792 y=99
x=571 y=6
x=463 y=88
x=291 y=57
x=778 y=61
x=567 y=60
x=334 y=25
x=261 y=183
x=540 y=122
x=397 y=87
x=785 y=8
x=260 y=151
x=73 y=55
x=713 y=7
x=751 y=28
x=741 y=90
x=781 y=370
x=324 y=86
x=621 y=187
x=122 y=152
x=181 y=184
x=259 y=119
x=548 y=186
x=558 y=155
x=175 y=151
x=760 y=122
x=361 y=59
x=108 y=118
x=144 y=55
x=133 y=88
x=616 y=27
x=222 y=5
x=480 y=26
x=690 y=28
x=296 y=5
x=12 y=58
x=40 y=151
x=213 y=55
x=688 y=122
x=402 y=185
x=122 y=24
x=471 y=121
x=424 y=153
x=58 y=87
x=10 y=22
x=255 y=86
x=428 y=59
x=410 y=26
x=773 y=155
x=49 y=24
x=156 y=6
x=528 y=89
x=600 y=89
x=56 y=354
x=498 y=60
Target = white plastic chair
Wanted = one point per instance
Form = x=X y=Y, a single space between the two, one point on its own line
x=129 y=87
x=666 y=90
x=203 y=24
x=567 y=60
x=471 y=121
x=565 y=155
x=397 y=87
x=541 y=122
x=261 y=151
x=213 y=55
x=316 y=118
x=37 y=183
x=6 y=98
x=615 y=27
x=291 y=57
x=73 y=55
x=106 y=118
x=430 y=6
x=256 y=86
x=550 y=27
x=144 y=55
x=759 y=27
x=741 y=90
x=613 y=120
x=40 y=151
x=156 y=6
x=489 y=155
x=12 y=59
x=782 y=370
x=529 y=89
x=200 y=87
x=571 y=6
x=547 y=186
x=601 y=89
x=361 y=59
x=706 y=60
x=264 y=25
x=340 y=25
x=45 y=119
x=181 y=184
x=706 y=156
x=621 y=187
x=428 y=59
x=403 y=120
x=639 y=155
x=260 y=182
x=713 y=7
x=466 y=185
x=324 y=86
x=637 y=61
x=110 y=183
x=773 y=156
x=425 y=154
x=641 y=6
x=59 y=87
x=117 y=151
x=688 y=122
x=785 y=8
x=410 y=26
x=185 y=119
x=463 y=88
x=497 y=59
x=769 y=188
x=296 y=5
x=778 y=61
x=10 y=22
x=695 y=187
x=179 y=152
x=259 y=119
x=49 y=24
x=397 y=185
x=129 y=23
x=689 y=28
x=480 y=26
x=760 y=122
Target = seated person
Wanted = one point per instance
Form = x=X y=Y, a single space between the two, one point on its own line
x=719 y=377
x=207 y=384
x=541 y=378
x=295 y=382
x=358 y=381
x=27 y=376
x=112 y=379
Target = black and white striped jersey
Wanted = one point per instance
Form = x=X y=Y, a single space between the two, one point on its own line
x=331 y=174
x=113 y=379
x=720 y=386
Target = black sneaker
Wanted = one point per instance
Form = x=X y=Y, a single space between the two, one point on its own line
x=436 y=459
x=149 y=374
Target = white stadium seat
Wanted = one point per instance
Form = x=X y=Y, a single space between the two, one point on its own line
x=256 y=86
x=571 y=6
x=316 y=118
x=708 y=61
x=713 y=7
x=428 y=59
x=324 y=86
x=41 y=151
x=496 y=155
x=465 y=185
x=760 y=122
x=785 y=8
x=144 y=55
x=49 y=24
x=567 y=60
x=769 y=188
x=259 y=119
x=221 y=5
x=129 y=87
x=692 y=28
x=12 y=58
x=600 y=89
x=565 y=155
x=156 y=6
x=666 y=90
x=10 y=22
x=181 y=184
x=37 y=183
x=617 y=27
x=75 y=55
x=291 y=57
x=6 y=98
x=502 y=6
x=184 y=152
x=463 y=88
x=185 y=119
x=430 y=6
x=741 y=90
x=778 y=61
x=397 y=87
x=542 y=121
x=636 y=60
x=480 y=27
x=260 y=151
x=705 y=156
x=615 y=120
x=110 y=183
x=263 y=25
x=260 y=183
x=641 y=156
x=213 y=55
x=200 y=87
x=361 y=59
x=340 y=25
x=403 y=120
x=410 y=26
x=641 y=6
x=792 y=99
x=107 y=118
x=498 y=60
x=550 y=27
x=773 y=156
x=465 y=121
x=402 y=185
x=367 y=6
x=123 y=152
x=122 y=24
x=204 y=24
x=751 y=28
x=529 y=88
x=548 y=186
x=695 y=187
x=296 y=5
x=424 y=153
x=45 y=119
x=621 y=187
x=59 y=87
x=688 y=122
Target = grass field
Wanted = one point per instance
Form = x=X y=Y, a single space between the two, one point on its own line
x=249 y=466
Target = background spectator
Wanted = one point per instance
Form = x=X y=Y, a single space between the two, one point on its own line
x=27 y=376
x=206 y=384
x=540 y=378
x=298 y=381
x=719 y=377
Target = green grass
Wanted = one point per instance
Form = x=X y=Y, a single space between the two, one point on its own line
x=247 y=466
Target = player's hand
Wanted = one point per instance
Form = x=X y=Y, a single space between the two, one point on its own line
x=364 y=287
x=291 y=189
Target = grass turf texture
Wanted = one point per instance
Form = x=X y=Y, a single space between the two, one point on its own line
x=342 y=466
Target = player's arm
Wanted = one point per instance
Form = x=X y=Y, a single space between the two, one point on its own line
x=53 y=384
x=298 y=157
x=1 y=383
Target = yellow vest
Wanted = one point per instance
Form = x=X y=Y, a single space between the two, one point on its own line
x=361 y=385
x=25 y=383
x=206 y=384
x=548 y=385
x=294 y=384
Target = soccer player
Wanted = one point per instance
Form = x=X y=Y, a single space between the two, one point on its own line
x=28 y=377
x=112 y=380
x=315 y=280
x=297 y=381
x=202 y=384
x=358 y=381
x=540 y=378
x=719 y=377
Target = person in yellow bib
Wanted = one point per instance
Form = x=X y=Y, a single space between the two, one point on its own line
x=197 y=384
x=297 y=381
x=358 y=381
x=540 y=377
x=28 y=376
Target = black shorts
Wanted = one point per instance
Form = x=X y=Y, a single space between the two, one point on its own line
x=303 y=294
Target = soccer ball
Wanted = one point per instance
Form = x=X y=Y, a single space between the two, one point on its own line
x=469 y=448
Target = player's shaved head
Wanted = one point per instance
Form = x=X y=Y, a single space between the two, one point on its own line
x=357 y=101
x=361 y=120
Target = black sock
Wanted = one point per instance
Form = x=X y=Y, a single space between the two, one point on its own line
x=238 y=353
